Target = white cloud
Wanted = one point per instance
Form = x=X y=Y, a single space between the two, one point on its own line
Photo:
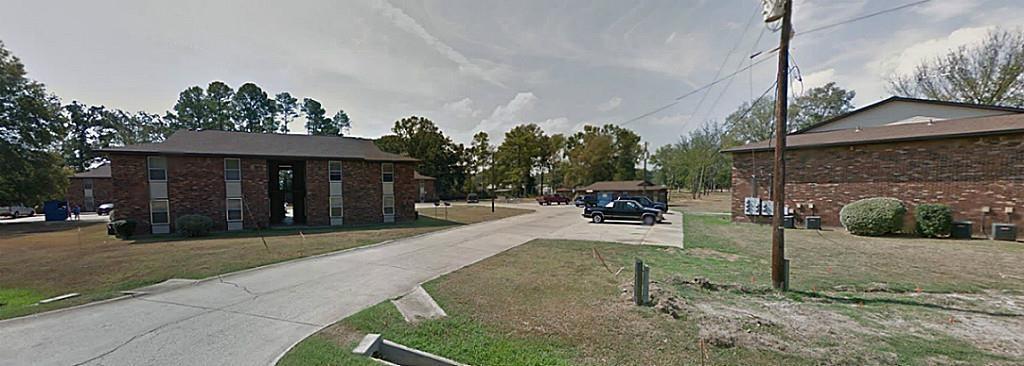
x=509 y=114
x=462 y=108
x=904 y=62
x=407 y=23
x=556 y=125
x=942 y=10
x=610 y=105
x=819 y=78
x=670 y=38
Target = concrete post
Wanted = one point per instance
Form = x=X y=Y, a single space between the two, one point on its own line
x=641 y=283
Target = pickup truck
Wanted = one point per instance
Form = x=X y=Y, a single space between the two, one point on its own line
x=647 y=202
x=16 y=210
x=554 y=198
x=628 y=210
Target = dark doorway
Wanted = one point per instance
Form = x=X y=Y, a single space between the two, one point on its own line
x=287 y=187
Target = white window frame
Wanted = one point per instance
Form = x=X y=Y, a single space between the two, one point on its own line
x=330 y=171
x=227 y=210
x=384 y=205
x=341 y=205
x=150 y=168
x=385 y=170
x=226 y=169
x=167 y=203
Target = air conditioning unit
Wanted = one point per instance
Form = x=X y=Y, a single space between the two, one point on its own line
x=813 y=222
x=1006 y=232
x=789 y=222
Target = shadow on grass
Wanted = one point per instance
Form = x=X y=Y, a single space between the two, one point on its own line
x=883 y=301
x=422 y=222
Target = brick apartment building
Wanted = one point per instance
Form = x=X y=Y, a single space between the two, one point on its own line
x=972 y=164
x=426 y=186
x=90 y=188
x=242 y=180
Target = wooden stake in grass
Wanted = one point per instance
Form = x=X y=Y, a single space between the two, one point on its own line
x=598 y=256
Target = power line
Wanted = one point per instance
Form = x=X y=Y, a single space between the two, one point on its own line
x=847 y=21
x=769 y=52
x=721 y=66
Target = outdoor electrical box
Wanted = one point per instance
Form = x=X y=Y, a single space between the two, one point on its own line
x=767 y=208
x=1006 y=232
x=961 y=230
x=813 y=222
x=751 y=206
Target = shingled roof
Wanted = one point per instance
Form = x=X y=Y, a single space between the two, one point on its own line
x=224 y=143
x=967 y=127
x=102 y=171
x=622 y=185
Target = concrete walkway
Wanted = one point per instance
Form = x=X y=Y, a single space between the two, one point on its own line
x=253 y=317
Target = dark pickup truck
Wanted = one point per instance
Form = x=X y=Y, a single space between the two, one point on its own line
x=628 y=210
x=553 y=198
x=647 y=202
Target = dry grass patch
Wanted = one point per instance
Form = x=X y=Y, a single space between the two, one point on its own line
x=713 y=202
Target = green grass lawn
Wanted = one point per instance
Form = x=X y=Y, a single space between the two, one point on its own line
x=552 y=302
x=41 y=261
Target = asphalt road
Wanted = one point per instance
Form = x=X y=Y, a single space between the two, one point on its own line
x=253 y=317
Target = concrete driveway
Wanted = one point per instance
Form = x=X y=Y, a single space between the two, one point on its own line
x=253 y=317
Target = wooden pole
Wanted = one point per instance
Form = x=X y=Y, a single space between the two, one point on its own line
x=779 y=275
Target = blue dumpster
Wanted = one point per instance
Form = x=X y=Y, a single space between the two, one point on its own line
x=55 y=210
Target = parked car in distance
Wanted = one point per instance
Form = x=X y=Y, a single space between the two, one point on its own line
x=647 y=202
x=472 y=198
x=627 y=210
x=105 y=209
x=584 y=200
x=552 y=198
x=16 y=211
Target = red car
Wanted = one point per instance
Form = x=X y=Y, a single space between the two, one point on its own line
x=549 y=199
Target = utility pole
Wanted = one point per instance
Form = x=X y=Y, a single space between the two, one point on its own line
x=780 y=272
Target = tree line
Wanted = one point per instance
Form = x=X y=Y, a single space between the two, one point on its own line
x=43 y=141
x=525 y=161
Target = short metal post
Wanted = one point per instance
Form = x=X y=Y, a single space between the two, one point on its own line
x=492 y=204
x=785 y=274
x=641 y=283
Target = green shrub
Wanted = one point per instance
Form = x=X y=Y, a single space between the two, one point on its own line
x=123 y=229
x=193 y=225
x=933 y=220
x=873 y=216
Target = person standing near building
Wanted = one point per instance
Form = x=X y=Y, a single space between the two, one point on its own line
x=78 y=212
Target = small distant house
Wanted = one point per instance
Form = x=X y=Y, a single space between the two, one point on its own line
x=968 y=156
x=90 y=188
x=608 y=190
x=426 y=187
x=244 y=180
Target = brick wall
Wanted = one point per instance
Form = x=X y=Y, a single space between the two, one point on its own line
x=965 y=173
x=362 y=192
x=131 y=198
x=318 y=190
x=406 y=192
x=102 y=191
x=429 y=190
x=196 y=186
x=255 y=193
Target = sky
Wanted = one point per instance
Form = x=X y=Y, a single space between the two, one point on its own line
x=479 y=65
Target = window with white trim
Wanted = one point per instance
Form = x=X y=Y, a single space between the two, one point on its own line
x=234 y=209
x=232 y=170
x=389 y=204
x=157 y=168
x=87 y=183
x=159 y=212
x=334 y=171
x=336 y=207
x=387 y=171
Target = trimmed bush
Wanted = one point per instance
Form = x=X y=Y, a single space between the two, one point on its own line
x=123 y=229
x=193 y=225
x=933 y=220
x=873 y=216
